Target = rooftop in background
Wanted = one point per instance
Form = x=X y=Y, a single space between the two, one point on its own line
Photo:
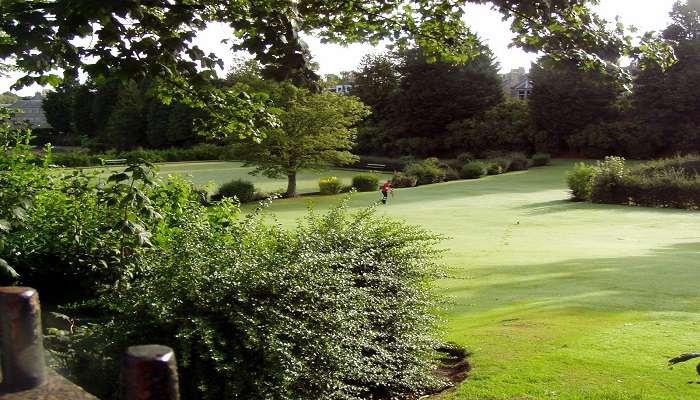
x=30 y=109
x=517 y=84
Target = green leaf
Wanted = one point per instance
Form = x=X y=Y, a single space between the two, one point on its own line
x=7 y=270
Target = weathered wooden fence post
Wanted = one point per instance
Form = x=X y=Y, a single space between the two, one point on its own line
x=149 y=373
x=22 y=343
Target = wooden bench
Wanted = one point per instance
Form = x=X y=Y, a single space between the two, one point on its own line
x=116 y=161
x=376 y=166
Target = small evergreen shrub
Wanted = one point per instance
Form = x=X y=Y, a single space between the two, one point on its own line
x=518 y=162
x=365 y=182
x=243 y=190
x=580 y=181
x=403 y=180
x=330 y=185
x=541 y=159
x=473 y=170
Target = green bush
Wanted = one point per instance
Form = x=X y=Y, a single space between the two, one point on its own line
x=330 y=185
x=337 y=309
x=689 y=164
x=403 y=180
x=580 y=181
x=451 y=174
x=243 y=190
x=151 y=156
x=494 y=169
x=541 y=159
x=503 y=163
x=606 y=185
x=473 y=170
x=206 y=152
x=518 y=162
x=200 y=152
x=659 y=183
x=365 y=182
x=426 y=171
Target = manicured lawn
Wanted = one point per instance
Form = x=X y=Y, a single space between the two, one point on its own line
x=557 y=300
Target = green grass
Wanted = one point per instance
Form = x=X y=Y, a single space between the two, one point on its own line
x=555 y=299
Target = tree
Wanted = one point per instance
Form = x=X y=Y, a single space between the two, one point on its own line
x=126 y=125
x=504 y=127
x=566 y=99
x=430 y=96
x=376 y=82
x=317 y=130
x=58 y=107
x=666 y=105
x=135 y=39
x=8 y=97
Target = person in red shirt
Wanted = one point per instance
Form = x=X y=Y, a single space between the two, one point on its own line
x=386 y=189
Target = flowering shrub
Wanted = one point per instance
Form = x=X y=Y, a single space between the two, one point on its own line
x=330 y=185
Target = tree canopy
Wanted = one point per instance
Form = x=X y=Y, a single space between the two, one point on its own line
x=316 y=130
x=154 y=38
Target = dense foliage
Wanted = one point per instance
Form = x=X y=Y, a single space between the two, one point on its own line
x=365 y=182
x=504 y=127
x=474 y=170
x=580 y=181
x=566 y=100
x=316 y=130
x=200 y=152
x=242 y=190
x=330 y=185
x=414 y=99
x=338 y=308
x=672 y=182
x=162 y=45
x=118 y=116
x=541 y=159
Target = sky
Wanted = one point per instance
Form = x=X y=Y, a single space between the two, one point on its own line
x=646 y=15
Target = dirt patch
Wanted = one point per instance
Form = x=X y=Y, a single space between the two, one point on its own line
x=454 y=366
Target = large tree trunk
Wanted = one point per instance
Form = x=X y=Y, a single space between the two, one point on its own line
x=291 y=184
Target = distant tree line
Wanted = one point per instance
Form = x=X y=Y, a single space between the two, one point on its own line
x=422 y=108
x=118 y=115
x=414 y=99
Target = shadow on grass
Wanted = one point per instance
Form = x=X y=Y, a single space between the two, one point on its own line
x=666 y=280
x=564 y=205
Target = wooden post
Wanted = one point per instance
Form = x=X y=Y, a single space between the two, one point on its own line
x=23 y=365
x=149 y=373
